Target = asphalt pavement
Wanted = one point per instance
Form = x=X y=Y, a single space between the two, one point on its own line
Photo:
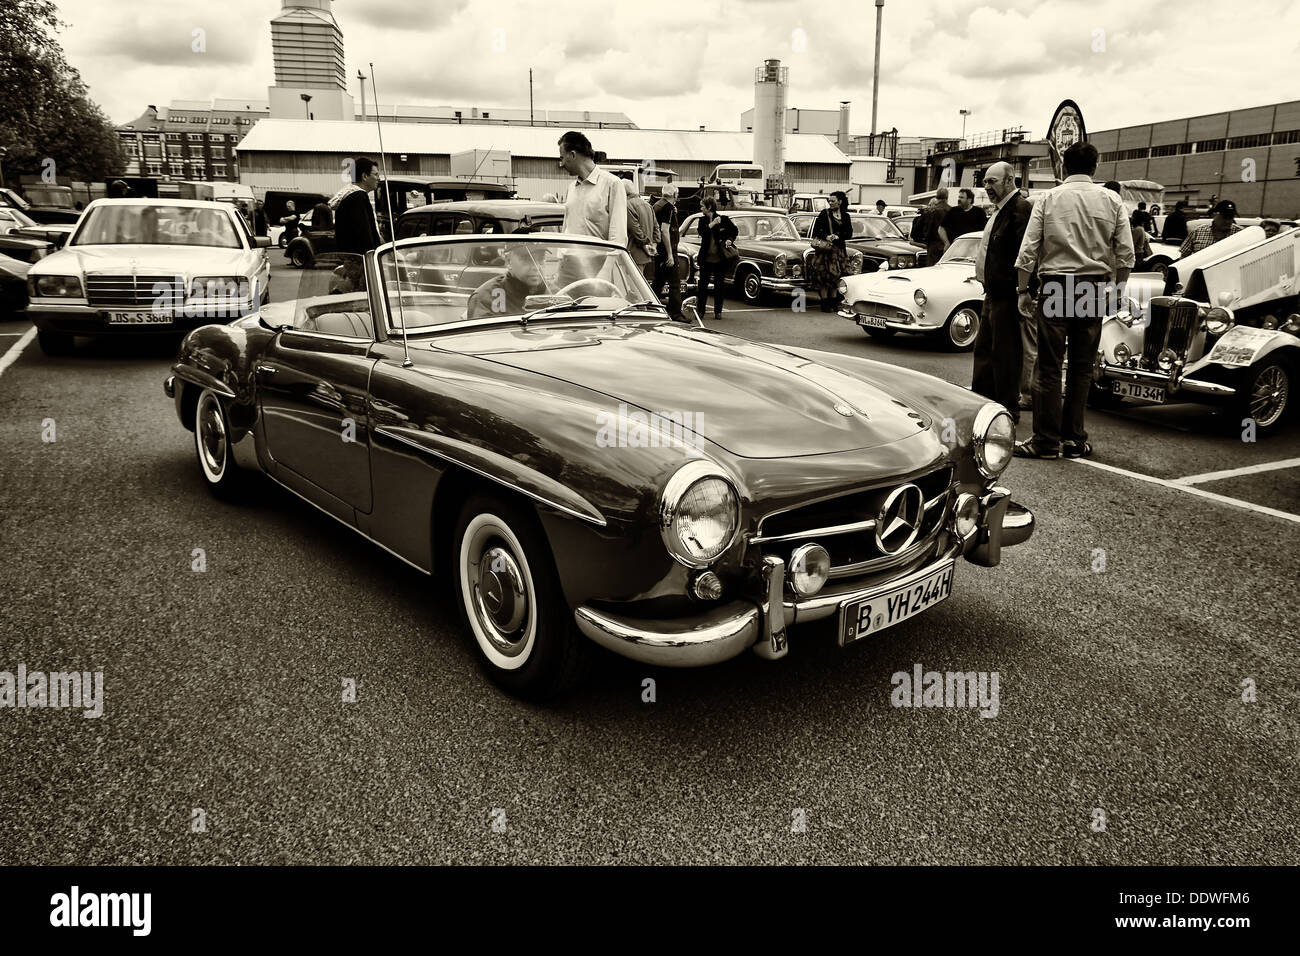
x=1123 y=634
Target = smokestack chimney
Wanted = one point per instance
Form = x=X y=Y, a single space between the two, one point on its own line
x=842 y=141
x=770 y=81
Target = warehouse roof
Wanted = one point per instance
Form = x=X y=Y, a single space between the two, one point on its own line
x=661 y=145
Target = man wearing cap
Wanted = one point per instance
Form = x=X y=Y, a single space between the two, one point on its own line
x=1080 y=242
x=1220 y=227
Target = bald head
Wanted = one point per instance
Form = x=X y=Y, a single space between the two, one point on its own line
x=999 y=181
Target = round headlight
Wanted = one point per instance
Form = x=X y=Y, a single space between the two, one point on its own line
x=842 y=288
x=699 y=514
x=1165 y=360
x=893 y=262
x=810 y=566
x=1217 y=320
x=1122 y=354
x=993 y=437
x=919 y=297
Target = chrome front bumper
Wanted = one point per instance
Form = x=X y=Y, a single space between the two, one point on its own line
x=725 y=631
x=1170 y=381
x=917 y=323
x=781 y=285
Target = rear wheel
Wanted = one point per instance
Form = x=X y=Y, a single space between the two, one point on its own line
x=961 y=328
x=751 y=286
x=212 y=446
x=300 y=257
x=1265 y=395
x=510 y=598
x=54 y=343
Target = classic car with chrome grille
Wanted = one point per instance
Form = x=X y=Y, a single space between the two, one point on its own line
x=882 y=246
x=942 y=300
x=147 y=265
x=1222 y=326
x=519 y=413
x=772 y=253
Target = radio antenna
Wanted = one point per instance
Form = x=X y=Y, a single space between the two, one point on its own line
x=392 y=225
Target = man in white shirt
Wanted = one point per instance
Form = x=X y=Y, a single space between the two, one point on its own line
x=596 y=204
x=1080 y=242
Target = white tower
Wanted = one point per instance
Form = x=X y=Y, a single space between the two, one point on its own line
x=310 y=79
x=770 y=82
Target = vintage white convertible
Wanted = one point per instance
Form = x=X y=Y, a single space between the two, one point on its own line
x=1222 y=328
x=942 y=300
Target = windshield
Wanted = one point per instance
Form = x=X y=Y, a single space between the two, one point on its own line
x=963 y=250
x=765 y=227
x=443 y=282
x=874 y=227
x=117 y=223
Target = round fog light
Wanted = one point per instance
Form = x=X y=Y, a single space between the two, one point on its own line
x=1165 y=360
x=810 y=566
x=707 y=586
x=1122 y=354
x=965 y=515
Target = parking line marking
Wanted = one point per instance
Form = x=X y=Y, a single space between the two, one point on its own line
x=1192 y=490
x=1237 y=472
x=16 y=349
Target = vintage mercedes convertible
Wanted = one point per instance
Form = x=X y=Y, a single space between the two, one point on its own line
x=518 y=412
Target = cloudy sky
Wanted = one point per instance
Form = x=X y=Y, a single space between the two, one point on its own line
x=691 y=62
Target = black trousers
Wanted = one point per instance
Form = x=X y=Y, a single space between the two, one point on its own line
x=710 y=271
x=1074 y=332
x=668 y=275
x=999 y=353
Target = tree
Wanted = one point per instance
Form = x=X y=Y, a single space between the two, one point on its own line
x=48 y=113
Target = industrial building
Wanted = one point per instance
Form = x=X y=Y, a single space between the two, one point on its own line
x=1251 y=156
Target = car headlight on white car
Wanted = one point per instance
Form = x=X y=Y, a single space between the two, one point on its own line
x=919 y=297
x=55 y=286
x=842 y=288
x=219 y=287
x=993 y=439
x=1218 y=320
x=699 y=514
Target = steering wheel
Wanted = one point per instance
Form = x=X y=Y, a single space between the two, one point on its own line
x=589 y=286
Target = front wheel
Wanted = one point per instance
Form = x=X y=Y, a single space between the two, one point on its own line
x=751 y=287
x=511 y=600
x=1265 y=395
x=212 y=446
x=960 y=330
x=300 y=257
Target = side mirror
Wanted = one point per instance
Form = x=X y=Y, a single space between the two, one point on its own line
x=262 y=242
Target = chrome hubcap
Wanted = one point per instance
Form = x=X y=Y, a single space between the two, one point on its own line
x=500 y=594
x=752 y=285
x=211 y=432
x=1269 y=397
x=963 y=327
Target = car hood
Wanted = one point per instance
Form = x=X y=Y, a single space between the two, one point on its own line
x=756 y=401
x=145 y=260
x=888 y=247
x=947 y=275
x=770 y=248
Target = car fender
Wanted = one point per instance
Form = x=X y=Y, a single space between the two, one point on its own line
x=221 y=357
x=1244 y=346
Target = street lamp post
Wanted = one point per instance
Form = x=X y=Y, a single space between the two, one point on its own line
x=306 y=103
x=964 y=114
x=875 y=80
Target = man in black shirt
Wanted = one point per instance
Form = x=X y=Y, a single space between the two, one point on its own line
x=355 y=229
x=665 y=210
x=963 y=218
x=1175 y=230
x=1140 y=218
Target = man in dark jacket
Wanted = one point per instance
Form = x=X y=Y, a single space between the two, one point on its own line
x=355 y=229
x=934 y=241
x=999 y=348
x=1175 y=228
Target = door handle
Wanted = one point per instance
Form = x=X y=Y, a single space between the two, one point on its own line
x=267 y=369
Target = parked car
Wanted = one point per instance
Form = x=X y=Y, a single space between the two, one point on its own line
x=943 y=300
x=302 y=249
x=17 y=224
x=13 y=287
x=43 y=203
x=772 y=253
x=809 y=202
x=586 y=470
x=23 y=249
x=882 y=246
x=1221 y=328
x=499 y=216
x=147 y=266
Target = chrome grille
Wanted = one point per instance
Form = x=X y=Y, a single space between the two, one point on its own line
x=845 y=526
x=879 y=309
x=126 y=291
x=1170 y=327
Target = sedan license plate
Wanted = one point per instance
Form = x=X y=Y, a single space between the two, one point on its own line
x=869 y=615
x=1146 y=393
x=871 y=321
x=139 y=318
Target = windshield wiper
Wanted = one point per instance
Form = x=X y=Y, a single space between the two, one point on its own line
x=638 y=305
x=555 y=307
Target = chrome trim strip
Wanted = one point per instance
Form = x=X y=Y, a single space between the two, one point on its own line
x=866 y=525
x=599 y=522
x=353 y=527
x=717 y=635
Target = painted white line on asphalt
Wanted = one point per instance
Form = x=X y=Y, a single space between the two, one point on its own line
x=1192 y=490
x=1237 y=472
x=16 y=349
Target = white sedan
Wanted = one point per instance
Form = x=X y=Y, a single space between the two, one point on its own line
x=148 y=265
x=942 y=300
